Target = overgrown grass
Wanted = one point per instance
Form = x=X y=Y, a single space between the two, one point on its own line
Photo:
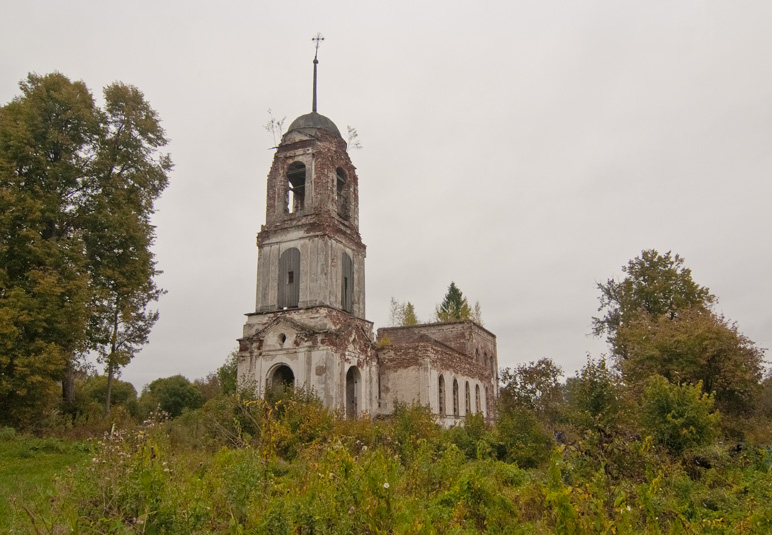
x=30 y=469
x=292 y=467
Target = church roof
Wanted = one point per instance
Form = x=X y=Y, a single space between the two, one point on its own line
x=313 y=120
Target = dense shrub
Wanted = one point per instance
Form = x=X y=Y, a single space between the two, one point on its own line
x=678 y=416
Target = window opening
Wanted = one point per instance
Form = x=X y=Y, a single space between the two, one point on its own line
x=296 y=187
x=455 y=397
x=281 y=380
x=289 y=279
x=467 y=399
x=341 y=194
x=441 y=392
x=477 y=406
x=347 y=283
x=352 y=392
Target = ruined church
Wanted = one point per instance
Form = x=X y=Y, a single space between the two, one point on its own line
x=309 y=328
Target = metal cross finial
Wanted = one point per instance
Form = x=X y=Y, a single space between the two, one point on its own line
x=318 y=39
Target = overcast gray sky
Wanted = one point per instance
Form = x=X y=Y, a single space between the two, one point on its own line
x=524 y=149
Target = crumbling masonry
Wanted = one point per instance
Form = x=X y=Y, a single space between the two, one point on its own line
x=309 y=328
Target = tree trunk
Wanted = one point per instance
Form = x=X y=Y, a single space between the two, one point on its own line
x=109 y=388
x=110 y=366
x=68 y=388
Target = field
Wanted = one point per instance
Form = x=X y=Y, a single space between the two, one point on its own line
x=292 y=467
x=29 y=469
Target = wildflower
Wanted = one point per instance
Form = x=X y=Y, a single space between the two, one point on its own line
x=386 y=485
x=364 y=448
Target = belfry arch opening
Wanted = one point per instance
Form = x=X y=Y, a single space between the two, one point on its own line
x=353 y=380
x=296 y=187
x=280 y=380
x=341 y=193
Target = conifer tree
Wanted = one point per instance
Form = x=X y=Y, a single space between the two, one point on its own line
x=454 y=307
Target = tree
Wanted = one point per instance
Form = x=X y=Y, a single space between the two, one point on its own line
x=172 y=395
x=659 y=321
x=593 y=397
x=228 y=374
x=402 y=314
x=129 y=175
x=698 y=346
x=454 y=307
x=655 y=285
x=77 y=185
x=46 y=146
x=409 y=318
x=534 y=386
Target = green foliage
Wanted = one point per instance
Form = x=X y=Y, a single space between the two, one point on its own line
x=402 y=475
x=454 y=307
x=654 y=285
x=94 y=390
x=534 y=386
x=77 y=185
x=678 y=416
x=593 y=397
x=227 y=374
x=697 y=346
x=402 y=314
x=519 y=437
x=172 y=394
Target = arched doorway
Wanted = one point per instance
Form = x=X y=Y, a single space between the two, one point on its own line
x=352 y=392
x=280 y=379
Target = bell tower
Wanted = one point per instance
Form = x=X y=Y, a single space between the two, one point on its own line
x=310 y=252
x=309 y=328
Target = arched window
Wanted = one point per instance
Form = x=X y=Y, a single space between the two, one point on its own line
x=352 y=392
x=467 y=399
x=347 y=283
x=487 y=402
x=341 y=193
x=477 y=406
x=280 y=379
x=455 y=397
x=477 y=355
x=289 y=278
x=441 y=394
x=296 y=187
x=485 y=360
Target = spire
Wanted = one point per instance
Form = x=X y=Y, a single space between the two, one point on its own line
x=319 y=38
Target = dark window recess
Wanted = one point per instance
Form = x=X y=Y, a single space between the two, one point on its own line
x=347 y=283
x=341 y=194
x=455 y=397
x=442 y=395
x=289 y=279
x=296 y=187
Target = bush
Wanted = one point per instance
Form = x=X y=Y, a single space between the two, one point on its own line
x=678 y=416
x=519 y=437
x=172 y=394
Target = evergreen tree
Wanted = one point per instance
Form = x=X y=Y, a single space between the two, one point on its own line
x=409 y=317
x=454 y=307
